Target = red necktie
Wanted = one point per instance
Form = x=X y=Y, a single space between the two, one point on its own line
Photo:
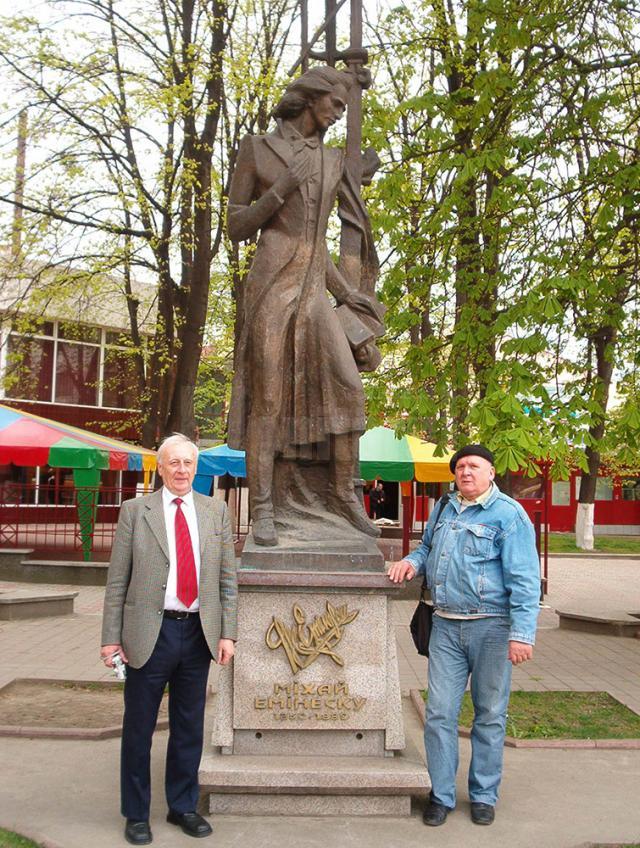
x=187 y=581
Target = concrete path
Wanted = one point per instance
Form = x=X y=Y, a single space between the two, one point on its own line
x=66 y=793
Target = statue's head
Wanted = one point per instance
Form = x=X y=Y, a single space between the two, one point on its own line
x=322 y=89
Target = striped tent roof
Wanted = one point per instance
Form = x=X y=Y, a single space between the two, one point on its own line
x=27 y=439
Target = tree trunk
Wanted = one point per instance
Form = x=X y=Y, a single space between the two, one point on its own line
x=584 y=526
x=181 y=417
x=602 y=345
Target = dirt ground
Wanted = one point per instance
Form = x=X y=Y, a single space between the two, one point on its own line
x=41 y=703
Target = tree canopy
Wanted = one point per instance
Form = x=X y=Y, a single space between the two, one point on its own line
x=505 y=208
x=508 y=205
x=135 y=111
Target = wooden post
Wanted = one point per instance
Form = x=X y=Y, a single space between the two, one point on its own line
x=355 y=58
x=304 y=35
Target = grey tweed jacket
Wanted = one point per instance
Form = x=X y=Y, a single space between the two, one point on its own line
x=136 y=582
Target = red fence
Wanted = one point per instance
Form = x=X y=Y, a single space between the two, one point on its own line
x=59 y=520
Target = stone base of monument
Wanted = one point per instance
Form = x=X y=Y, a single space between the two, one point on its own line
x=292 y=552
x=309 y=720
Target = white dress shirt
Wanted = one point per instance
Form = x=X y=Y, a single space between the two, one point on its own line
x=171 y=600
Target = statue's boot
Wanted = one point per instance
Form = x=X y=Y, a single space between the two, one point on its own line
x=341 y=498
x=350 y=508
x=260 y=461
x=264 y=531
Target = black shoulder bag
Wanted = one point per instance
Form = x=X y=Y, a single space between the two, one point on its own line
x=422 y=620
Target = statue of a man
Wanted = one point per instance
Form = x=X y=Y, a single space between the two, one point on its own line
x=297 y=394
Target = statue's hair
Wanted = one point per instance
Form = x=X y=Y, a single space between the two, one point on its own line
x=307 y=88
x=176 y=439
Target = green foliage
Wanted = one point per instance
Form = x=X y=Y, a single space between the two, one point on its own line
x=504 y=207
x=212 y=392
x=135 y=116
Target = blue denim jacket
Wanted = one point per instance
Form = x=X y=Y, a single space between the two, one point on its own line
x=483 y=560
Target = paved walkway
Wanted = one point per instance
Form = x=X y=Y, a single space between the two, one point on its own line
x=66 y=792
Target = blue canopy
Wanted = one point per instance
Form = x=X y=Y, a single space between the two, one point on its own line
x=213 y=462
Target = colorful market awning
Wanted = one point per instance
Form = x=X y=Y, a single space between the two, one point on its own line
x=408 y=458
x=381 y=455
x=27 y=439
x=216 y=461
x=222 y=460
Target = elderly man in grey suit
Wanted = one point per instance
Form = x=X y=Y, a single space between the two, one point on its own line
x=170 y=608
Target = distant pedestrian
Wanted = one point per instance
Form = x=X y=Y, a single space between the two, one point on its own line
x=377 y=500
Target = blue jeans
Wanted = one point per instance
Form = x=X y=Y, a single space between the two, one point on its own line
x=457 y=649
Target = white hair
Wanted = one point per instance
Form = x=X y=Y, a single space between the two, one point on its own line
x=177 y=439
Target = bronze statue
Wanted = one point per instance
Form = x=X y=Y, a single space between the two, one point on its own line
x=297 y=403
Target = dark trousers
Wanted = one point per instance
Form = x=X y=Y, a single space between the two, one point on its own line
x=180 y=658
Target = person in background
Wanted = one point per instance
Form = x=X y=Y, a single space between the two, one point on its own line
x=377 y=499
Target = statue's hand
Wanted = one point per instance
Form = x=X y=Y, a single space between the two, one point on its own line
x=363 y=303
x=357 y=300
x=367 y=304
x=295 y=175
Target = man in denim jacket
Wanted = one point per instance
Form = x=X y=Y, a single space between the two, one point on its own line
x=483 y=572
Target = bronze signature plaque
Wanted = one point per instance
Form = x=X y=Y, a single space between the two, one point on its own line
x=304 y=642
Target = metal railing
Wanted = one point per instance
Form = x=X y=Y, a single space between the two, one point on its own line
x=79 y=523
x=76 y=523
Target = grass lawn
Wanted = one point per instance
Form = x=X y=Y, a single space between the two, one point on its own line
x=565 y=543
x=8 y=839
x=563 y=715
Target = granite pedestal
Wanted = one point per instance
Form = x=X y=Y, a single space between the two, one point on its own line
x=309 y=718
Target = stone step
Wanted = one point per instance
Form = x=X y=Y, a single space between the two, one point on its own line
x=52 y=571
x=355 y=775
x=308 y=805
x=254 y=785
x=306 y=785
x=22 y=603
x=11 y=560
x=601 y=622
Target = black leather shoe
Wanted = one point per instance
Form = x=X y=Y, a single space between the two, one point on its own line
x=191 y=823
x=137 y=832
x=482 y=813
x=435 y=814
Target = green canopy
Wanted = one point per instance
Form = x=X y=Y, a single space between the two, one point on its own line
x=407 y=458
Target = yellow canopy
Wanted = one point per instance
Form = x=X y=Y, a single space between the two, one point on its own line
x=427 y=467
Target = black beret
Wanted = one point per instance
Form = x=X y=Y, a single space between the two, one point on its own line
x=470 y=450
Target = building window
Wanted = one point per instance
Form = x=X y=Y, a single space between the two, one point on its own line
x=77 y=374
x=82 y=365
x=29 y=370
x=80 y=333
x=630 y=489
x=560 y=493
x=604 y=489
x=119 y=379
